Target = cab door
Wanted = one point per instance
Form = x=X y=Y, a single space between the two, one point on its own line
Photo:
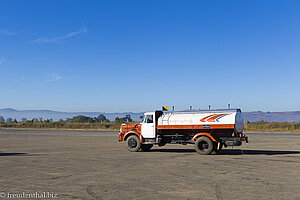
x=148 y=126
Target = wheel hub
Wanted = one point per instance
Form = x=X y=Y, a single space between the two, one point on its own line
x=132 y=143
x=203 y=146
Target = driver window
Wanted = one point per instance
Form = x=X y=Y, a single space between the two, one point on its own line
x=149 y=119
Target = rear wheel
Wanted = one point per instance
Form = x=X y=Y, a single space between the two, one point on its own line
x=133 y=143
x=204 y=145
x=146 y=147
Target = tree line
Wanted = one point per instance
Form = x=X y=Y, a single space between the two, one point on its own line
x=79 y=118
x=8 y=120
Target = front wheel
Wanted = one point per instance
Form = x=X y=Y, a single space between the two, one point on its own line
x=204 y=145
x=133 y=143
x=146 y=147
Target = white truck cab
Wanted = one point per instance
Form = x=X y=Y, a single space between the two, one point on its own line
x=148 y=125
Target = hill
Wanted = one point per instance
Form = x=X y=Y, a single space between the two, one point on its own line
x=56 y=115
x=292 y=116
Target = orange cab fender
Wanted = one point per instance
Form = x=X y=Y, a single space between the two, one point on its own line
x=203 y=134
x=133 y=133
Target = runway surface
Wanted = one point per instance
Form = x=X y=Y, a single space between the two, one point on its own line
x=93 y=165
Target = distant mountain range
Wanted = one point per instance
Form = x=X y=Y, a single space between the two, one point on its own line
x=56 y=115
x=292 y=116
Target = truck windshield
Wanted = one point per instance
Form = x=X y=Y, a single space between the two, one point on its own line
x=143 y=118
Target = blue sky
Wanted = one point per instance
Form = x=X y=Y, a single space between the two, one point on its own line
x=138 y=55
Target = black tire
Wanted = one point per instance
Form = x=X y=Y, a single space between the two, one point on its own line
x=162 y=143
x=146 y=147
x=133 y=143
x=204 y=145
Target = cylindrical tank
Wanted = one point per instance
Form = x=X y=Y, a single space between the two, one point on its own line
x=206 y=118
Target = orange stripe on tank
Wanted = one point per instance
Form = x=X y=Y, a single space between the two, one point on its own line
x=204 y=118
x=213 y=119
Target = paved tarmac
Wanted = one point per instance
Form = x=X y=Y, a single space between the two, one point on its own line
x=93 y=165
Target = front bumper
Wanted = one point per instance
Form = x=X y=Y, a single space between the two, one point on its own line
x=121 y=137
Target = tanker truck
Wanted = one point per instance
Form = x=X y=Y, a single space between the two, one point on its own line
x=208 y=130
